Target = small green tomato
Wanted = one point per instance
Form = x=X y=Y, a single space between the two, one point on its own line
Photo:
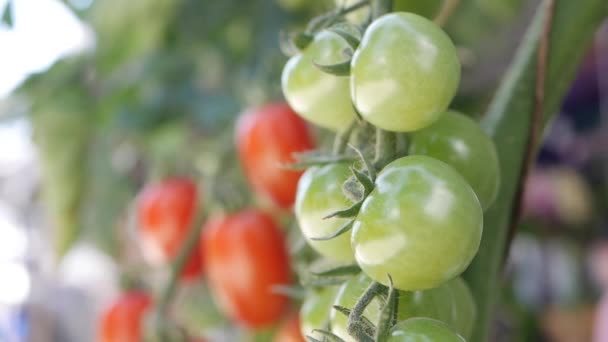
x=319 y=194
x=404 y=73
x=421 y=224
x=314 y=313
x=317 y=96
x=423 y=330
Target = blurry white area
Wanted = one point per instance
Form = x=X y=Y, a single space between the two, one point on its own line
x=85 y=267
x=15 y=284
x=18 y=149
x=13 y=243
x=43 y=31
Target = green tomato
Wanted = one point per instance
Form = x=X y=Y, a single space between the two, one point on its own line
x=314 y=313
x=319 y=194
x=421 y=224
x=426 y=8
x=459 y=141
x=423 y=330
x=317 y=96
x=451 y=303
x=404 y=73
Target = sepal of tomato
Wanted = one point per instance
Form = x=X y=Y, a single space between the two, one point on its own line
x=165 y=212
x=123 y=319
x=245 y=256
x=266 y=138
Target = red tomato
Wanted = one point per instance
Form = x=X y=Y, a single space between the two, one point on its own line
x=290 y=330
x=266 y=138
x=245 y=256
x=122 y=321
x=165 y=213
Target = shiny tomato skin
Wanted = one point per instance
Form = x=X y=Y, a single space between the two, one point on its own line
x=165 y=214
x=404 y=73
x=122 y=321
x=245 y=256
x=421 y=224
x=289 y=331
x=266 y=139
x=459 y=141
x=423 y=330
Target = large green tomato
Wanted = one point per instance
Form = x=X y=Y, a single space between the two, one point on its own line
x=317 y=96
x=314 y=313
x=319 y=194
x=421 y=224
x=459 y=141
x=423 y=330
x=451 y=303
x=404 y=73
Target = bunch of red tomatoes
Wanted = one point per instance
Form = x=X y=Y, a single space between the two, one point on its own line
x=407 y=216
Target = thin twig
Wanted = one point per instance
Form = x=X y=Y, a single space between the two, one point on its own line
x=446 y=10
x=535 y=119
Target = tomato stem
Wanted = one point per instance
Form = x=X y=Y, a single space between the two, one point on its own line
x=342 y=138
x=355 y=317
x=380 y=7
x=446 y=10
x=386 y=143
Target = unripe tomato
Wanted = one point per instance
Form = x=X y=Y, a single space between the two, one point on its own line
x=421 y=224
x=423 y=330
x=404 y=73
x=319 y=194
x=460 y=142
x=314 y=313
x=245 y=256
x=165 y=213
x=289 y=331
x=266 y=138
x=319 y=97
x=451 y=303
x=122 y=321
x=426 y=8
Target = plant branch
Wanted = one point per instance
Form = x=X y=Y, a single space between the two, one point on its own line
x=446 y=10
x=386 y=148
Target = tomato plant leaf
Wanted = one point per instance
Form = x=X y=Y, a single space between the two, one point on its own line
x=338 y=69
x=345 y=228
x=346 y=213
x=329 y=336
x=342 y=270
x=507 y=121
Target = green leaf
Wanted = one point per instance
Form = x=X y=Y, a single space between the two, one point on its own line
x=342 y=270
x=346 y=213
x=345 y=228
x=365 y=180
x=338 y=69
x=328 y=335
x=507 y=121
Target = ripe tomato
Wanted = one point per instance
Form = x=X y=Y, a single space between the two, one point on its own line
x=421 y=224
x=314 y=313
x=423 y=330
x=404 y=73
x=319 y=97
x=319 y=194
x=451 y=303
x=122 y=321
x=245 y=256
x=459 y=141
x=266 y=138
x=290 y=330
x=165 y=213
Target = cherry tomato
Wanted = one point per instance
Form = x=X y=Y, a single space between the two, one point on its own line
x=122 y=321
x=319 y=194
x=165 y=213
x=315 y=309
x=266 y=138
x=245 y=256
x=289 y=331
x=421 y=224
x=404 y=73
x=423 y=330
x=459 y=141
x=319 y=97
x=452 y=303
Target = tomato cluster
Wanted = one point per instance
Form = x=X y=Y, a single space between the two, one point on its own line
x=415 y=221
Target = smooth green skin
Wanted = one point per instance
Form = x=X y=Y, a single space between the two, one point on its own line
x=452 y=303
x=426 y=8
x=423 y=330
x=319 y=194
x=404 y=73
x=314 y=313
x=421 y=224
x=459 y=141
x=317 y=96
